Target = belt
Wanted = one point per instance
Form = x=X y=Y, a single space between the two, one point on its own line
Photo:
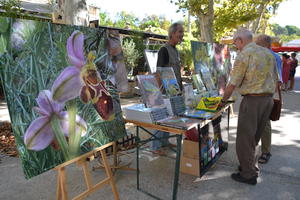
x=259 y=95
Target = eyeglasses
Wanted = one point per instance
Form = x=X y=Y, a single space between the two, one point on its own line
x=235 y=39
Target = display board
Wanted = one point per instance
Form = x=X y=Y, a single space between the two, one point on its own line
x=60 y=106
x=151 y=58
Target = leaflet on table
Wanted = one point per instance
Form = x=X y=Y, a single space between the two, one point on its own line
x=179 y=122
x=169 y=81
x=198 y=114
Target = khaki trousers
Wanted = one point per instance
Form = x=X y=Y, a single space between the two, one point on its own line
x=266 y=138
x=254 y=112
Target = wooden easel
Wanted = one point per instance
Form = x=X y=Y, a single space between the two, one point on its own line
x=61 y=192
x=116 y=164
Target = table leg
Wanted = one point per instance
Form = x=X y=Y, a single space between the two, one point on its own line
x=177 y=166
x=137 y=158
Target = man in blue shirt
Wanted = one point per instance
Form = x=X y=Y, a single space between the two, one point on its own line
x=266 y=41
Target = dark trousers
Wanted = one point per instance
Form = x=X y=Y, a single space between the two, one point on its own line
x=254 y=113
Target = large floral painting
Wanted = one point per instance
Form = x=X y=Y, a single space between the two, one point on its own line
x=61 y=104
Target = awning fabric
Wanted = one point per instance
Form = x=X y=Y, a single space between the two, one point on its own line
x=286 y=49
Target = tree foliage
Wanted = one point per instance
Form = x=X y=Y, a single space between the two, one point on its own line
x=217 y=17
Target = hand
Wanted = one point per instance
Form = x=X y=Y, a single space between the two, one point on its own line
x=221 y=104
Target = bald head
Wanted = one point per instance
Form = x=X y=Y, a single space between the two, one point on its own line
x=242 y=37
x=263 y=40
x=243 y=34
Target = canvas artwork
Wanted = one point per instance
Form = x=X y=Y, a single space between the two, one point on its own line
x=217 y=58
x=60 y=106
x=151 y=57
x=169 y=81
x=207 y=79
x=115 y=66
x=150 y=91
x=202 y=56
x=222 y=65
x=179 y=122
x=198 y=83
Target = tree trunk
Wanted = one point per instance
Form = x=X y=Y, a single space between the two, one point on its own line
x=189 y=23
x=206 y=23
x=261 y=11
x=75 y=12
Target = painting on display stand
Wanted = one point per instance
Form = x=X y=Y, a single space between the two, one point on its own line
x=222 y=65
x=169 y=81
x=150 y=91
x=198 y=83
x=216 y=57
x=60 y=105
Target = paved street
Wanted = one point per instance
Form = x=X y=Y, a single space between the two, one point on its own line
x=279 y=179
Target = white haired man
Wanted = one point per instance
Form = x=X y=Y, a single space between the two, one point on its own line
x=168 y=56
x=255 y=75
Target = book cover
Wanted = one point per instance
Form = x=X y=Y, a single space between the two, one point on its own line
x=169 y=81
x=198 y=114
x=209 y=103
x=179 y=122
x=150 y=91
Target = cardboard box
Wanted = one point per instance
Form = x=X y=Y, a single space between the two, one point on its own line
x=190 y=166
x=190 y=149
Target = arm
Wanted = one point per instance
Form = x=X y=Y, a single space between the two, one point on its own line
x=163 y=57
x=236 y=78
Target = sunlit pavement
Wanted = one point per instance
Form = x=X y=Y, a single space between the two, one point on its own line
x=279 y=178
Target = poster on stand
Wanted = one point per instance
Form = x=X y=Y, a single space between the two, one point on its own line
x=60 y=106
x=151 y=58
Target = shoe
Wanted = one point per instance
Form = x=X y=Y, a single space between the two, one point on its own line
x=256 y=169
x=240 y=168
x=237 y=177
x=264 y=158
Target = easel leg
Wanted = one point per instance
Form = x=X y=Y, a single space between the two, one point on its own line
x=61 y=193
x=109 y=174
x=115 y=156
x=87 y=175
